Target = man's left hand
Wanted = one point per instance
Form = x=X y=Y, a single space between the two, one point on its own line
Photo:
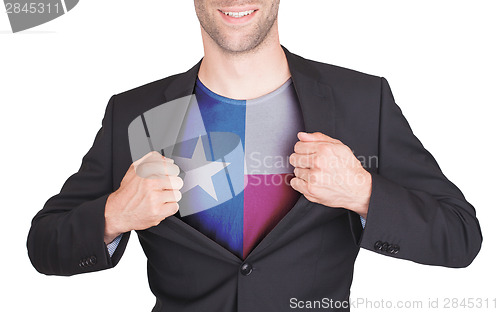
x=327 y=172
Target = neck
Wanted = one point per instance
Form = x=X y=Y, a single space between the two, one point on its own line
x=246 y=75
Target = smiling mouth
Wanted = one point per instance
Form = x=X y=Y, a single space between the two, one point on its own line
x=238 y=14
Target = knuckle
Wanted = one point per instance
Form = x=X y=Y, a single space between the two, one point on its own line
x=344 y=149
x=168 y=160
x=323 y=148
x=326 y=149
x=144 y=166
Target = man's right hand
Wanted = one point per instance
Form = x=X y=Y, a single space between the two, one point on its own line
x=148 y=193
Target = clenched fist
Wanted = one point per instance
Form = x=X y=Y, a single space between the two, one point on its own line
x=327 y=172
x=148 y=193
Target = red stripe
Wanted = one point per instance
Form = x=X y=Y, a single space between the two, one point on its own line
x=267 y=199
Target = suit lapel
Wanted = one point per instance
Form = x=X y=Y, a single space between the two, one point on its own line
x=182 y=84
x=315 y=98
x=318 y=110
x=318 y=107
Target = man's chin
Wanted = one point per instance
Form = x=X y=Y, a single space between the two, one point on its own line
x=239 y=45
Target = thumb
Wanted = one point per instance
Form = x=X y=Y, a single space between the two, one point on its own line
x=316 y=137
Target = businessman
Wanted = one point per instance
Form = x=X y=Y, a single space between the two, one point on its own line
x=194 y=163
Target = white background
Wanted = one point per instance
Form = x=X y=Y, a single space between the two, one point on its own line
x=440 y=58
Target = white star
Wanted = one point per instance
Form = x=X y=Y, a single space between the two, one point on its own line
x=199 y=170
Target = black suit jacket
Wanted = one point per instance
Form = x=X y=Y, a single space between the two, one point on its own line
x=415 y=212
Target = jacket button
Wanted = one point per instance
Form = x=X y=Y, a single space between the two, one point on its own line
x=396 y=249
x=83 y=263
x=93 y=260
x=378 y=245
x=390 y=249
x=385 y=245
x=246 y=269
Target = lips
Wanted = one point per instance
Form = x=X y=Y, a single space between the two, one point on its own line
x=237 y=15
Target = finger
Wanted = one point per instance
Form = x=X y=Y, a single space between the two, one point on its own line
x=157 y=169
x=302 y=147
x=316 y=137
x=150 y=170
x=168 y=160
x=161 y=169
x=157 y=157
x=170 y=196
x=302 y=161
x=172 y=169
x=302 y=173
x=171 y=208
x=302 y=187
x=310 y=147
x=172 y=183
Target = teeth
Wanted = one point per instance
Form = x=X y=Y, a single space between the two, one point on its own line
x=239 y=14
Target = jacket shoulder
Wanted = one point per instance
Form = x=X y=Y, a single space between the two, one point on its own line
x=339 y=75
x=134 y=102
x=152 y=90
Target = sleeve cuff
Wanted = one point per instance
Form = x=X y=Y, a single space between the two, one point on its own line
x=112 y=246
x=363 y=221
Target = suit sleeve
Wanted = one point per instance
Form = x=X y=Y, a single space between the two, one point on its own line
x=67 y=236
x=415 y=212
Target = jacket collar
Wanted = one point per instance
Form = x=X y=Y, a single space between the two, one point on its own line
x=315 y=97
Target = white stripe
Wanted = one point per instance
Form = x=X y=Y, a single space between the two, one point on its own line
x=64 y=6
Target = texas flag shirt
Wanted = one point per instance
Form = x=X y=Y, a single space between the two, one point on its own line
x=233 y=156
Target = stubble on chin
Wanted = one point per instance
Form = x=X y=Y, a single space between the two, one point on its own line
x=250 y=43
